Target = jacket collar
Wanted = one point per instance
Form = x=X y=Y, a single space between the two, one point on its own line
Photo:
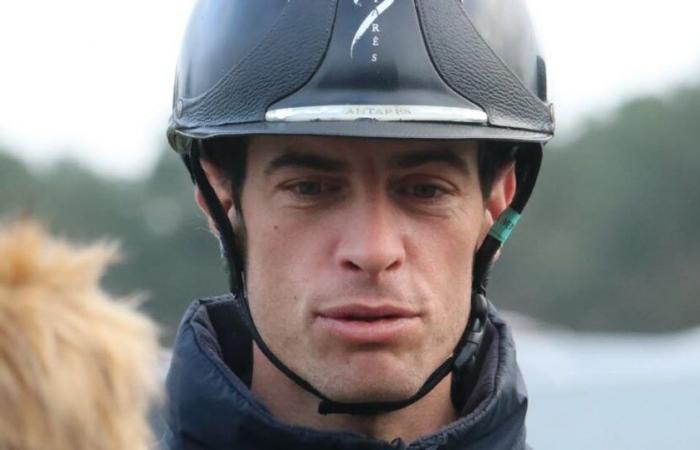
x=211 y=407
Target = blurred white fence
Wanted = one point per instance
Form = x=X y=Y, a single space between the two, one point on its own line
x=610 y=391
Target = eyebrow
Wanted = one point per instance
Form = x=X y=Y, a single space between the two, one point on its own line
x=305 y=160
x=420 y=157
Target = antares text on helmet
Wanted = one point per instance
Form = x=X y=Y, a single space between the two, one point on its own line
x=371 y=111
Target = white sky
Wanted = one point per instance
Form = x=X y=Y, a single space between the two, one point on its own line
x=93 y=79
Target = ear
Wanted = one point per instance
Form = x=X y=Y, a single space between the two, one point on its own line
x=502 y=193
x=222 y=188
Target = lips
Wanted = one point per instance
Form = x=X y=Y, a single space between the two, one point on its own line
x=362 y=323
x=359 y=311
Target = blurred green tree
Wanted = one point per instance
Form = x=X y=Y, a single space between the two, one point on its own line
x=608 y=240
x=169 y=255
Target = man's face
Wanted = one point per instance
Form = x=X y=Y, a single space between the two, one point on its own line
x=359 y=257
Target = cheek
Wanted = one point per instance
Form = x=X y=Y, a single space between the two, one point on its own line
x=445 y=246
x=282 y=248
x=279 y=267
x=443 y=255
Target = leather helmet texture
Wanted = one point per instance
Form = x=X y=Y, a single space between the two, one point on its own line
x=436 y=69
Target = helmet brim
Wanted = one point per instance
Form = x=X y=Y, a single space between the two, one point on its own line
x=180 y=138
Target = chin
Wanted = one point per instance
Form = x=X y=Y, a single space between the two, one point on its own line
x=369 y=381
x=368 y=391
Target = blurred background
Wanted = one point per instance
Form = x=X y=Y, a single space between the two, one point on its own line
x=601 y=280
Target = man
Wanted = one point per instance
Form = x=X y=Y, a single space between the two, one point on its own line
x=362 y=163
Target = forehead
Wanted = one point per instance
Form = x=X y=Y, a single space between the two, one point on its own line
x=356 y=150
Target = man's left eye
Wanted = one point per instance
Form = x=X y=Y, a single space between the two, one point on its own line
x=426 y=191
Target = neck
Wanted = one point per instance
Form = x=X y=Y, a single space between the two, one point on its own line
x=292 y=404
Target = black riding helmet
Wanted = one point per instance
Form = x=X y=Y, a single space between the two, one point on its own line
x=408 y=69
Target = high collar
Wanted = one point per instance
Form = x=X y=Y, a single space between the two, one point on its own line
x=211 y=407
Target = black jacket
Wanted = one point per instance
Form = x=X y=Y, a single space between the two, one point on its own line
x=211 y=407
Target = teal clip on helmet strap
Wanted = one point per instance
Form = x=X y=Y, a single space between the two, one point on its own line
x=504 y=226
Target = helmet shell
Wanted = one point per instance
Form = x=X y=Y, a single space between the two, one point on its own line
x=435 y=69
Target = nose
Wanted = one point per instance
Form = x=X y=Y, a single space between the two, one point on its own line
x=371 y=241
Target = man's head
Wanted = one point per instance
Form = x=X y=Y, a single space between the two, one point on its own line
x=345 y=235
x=391 y=205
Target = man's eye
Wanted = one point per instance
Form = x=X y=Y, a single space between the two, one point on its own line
x=425 y=191
x=307 y=188
x=310 y=188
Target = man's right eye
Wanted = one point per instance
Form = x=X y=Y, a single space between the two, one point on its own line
x=308 y=188
x=313 y=188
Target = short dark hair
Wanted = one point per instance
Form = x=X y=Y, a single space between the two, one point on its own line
x=230 y=154
x=493 y=156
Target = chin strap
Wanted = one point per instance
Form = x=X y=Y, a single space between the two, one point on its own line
x=528 y=160
x=464 y=354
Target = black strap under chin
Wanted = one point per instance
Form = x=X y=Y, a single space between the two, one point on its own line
x=232 y=330
x=462 y=361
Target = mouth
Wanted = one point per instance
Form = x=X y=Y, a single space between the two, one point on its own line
x=368 y=324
